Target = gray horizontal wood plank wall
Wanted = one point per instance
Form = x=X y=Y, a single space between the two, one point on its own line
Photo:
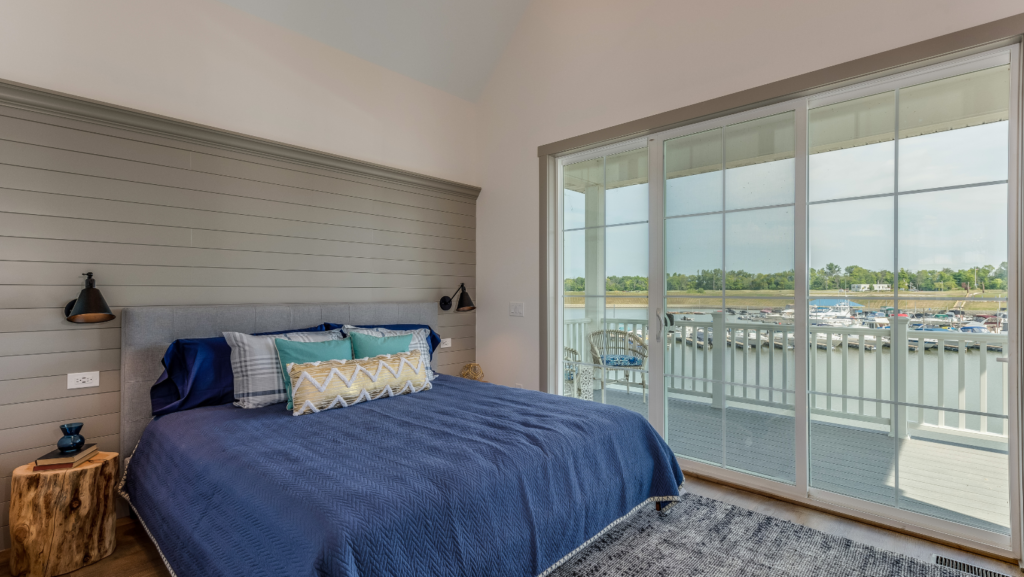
x=166 y=220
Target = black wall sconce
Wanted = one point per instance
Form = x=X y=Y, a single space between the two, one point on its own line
x=465 y=303
x=90 y=306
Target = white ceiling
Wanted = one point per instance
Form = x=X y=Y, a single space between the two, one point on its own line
x=449 y=44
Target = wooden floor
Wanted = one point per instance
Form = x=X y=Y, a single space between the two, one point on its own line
x=958 y=483
x=136 y=556
x=860 y=532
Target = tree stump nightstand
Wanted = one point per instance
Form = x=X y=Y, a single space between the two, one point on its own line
x=62 y=520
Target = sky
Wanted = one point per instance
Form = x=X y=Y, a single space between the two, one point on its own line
x=956 y=229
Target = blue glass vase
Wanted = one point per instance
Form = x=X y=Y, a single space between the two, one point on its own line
x=71 y=441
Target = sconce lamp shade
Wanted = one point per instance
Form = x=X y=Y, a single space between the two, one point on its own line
x=90 y=306
x=465 y=303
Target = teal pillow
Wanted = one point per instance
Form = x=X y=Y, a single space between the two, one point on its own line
x=299 y=352
x=365 y=346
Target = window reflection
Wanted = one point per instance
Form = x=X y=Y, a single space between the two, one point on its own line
x=852 y=148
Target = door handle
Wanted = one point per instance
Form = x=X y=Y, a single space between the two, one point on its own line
x=1002 y=359
x=661 y=326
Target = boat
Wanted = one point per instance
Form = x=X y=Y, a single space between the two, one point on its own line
x=826 y=322
x=973 y=327
x=876 y=323
x=710 y=337
x=691 y=338
x=941 y=320
x=926 y=344
x=996 y=323
x=923 y=342
x=855 y=341
x=891 y=312
x=742 y=342
x=836 y=312
x=953 y=345
x=1004 y=329
x=784 y=343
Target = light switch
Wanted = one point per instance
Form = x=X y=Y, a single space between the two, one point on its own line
x=516 y=309
x=445 y=343
x=83 y=380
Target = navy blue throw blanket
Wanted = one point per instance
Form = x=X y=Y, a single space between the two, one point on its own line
x=465 y=479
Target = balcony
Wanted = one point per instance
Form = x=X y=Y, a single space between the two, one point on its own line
x=942 y=451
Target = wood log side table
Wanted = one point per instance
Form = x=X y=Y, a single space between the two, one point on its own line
x=63 y=519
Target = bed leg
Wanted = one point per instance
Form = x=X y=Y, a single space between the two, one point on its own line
x=657 y=505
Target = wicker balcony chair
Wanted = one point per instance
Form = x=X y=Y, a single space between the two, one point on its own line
x=619 y=351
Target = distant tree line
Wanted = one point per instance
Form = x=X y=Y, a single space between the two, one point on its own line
x=829 y=277
x=987 y=277
x=612 y=283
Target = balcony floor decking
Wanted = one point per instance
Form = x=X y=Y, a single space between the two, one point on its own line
x=962 y=484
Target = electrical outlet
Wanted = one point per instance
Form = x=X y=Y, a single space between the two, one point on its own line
x=516 y=309
x=83 y=380
x=445 y=343
x=519 y=385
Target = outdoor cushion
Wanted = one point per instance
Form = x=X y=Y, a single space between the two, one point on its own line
x=622 y=361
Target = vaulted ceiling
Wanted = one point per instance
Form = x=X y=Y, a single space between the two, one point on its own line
x=451 y=45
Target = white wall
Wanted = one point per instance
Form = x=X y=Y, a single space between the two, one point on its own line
x=203 y=61
x=575 y=66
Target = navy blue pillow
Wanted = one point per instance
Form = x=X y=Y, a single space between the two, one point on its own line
x=435 y=339
x=197 y=373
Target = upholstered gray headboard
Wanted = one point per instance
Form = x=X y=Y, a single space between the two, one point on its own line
x=147 y=331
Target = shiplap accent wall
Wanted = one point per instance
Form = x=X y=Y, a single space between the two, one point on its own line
x=166 y=219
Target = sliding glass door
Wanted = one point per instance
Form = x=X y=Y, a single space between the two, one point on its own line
x=605 y=302
x=912 y=410
x=729 y=220
x=827 y=290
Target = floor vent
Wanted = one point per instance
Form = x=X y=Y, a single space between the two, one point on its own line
x=966 y=568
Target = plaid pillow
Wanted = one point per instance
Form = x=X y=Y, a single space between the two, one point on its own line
x=420 y=341
x=257 y=368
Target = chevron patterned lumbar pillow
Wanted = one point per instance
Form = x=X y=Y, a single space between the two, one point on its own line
x=327 y=385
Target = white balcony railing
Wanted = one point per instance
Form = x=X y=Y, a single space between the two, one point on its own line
x=850 y=370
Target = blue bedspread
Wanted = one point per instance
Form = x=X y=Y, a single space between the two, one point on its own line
x=465 y=479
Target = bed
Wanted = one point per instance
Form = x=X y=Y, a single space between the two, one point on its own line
x=465 y=479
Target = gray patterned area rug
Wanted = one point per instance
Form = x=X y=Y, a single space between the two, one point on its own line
x=702 y=537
